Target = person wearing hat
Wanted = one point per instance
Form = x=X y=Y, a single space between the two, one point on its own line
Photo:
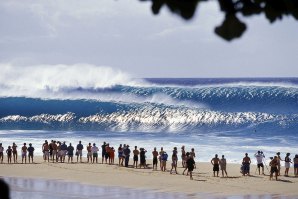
x=295 y=160
x=287 y=164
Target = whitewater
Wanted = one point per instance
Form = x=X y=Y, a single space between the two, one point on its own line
x=229 y=116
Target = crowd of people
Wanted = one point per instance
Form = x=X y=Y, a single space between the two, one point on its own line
x=56 y=151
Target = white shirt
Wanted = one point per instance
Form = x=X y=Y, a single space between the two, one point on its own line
x=94 y=149
x=259 y=158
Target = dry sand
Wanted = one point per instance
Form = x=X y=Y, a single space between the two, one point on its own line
x=113 y=175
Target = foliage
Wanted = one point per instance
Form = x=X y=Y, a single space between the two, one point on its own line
x=232 y=27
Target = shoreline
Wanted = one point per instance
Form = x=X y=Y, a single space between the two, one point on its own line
x=115 y=176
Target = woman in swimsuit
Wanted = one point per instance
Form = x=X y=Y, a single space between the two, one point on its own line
x=9 y=152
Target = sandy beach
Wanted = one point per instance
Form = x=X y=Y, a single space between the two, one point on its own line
x=115 y=176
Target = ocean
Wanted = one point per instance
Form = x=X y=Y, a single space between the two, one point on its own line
x=224 y=116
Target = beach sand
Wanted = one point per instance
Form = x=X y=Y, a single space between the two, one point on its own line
x=147 y=179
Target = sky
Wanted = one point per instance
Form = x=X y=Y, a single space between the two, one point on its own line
x=125 y=36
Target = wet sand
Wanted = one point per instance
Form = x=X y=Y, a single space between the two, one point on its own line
x=80 y=180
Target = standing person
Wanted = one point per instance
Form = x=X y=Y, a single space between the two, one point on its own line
x=193 y=154
x=70 y=150
x=295 y=160
x=143 y=158
x=15 y=153
x=107 y=154
x=279 y=163
x=120 y=155
x=183 y=156
x=126 y=152
x=154 y=154
x=79 y=151
x=174 y=160
x=164 y=159
x=160 y=157
x=103 y=152
x=274 y=167
x=190 y=165
x=223 y=166
x=112 y=155
x=259 y=156
x=30 y=152
x=89 y=153
x=215 y=162
x=24 y=153
x=94 y=150
x=136 y=157
x=246 y=164
x=187 y=155
x=54 y=151
x=287 y=164
x=59 y=153
x=45 y=150
x=9 y=152
x=1 y=153
x=51 y=149
x=64 y=151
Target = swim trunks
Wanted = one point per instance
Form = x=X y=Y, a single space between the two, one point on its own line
x=154 y=160
x=274 y=170
x=260 y=165
x=216 y=167
x=80 y=153
x=135 y=158
x=295 y=165
x=287 y=165
x=24 y=154
x=95 y=155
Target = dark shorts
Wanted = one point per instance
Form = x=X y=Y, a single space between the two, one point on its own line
x=216 y=167
x=107 y=156
x=154 y=160
x=103 y=154
x=30 y=155
x=295 y=165
x=95 y=155
x=260 y=165
x=190 y=168
x=274 y=170
x=246 y=167
x=135 y=158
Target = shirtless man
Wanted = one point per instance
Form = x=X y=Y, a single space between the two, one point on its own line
x=89 y=153
x=295 y=160
x=94 y=151
x=155 y=154
x=274 y=167
x=9 y=152
x=45 y=150
x=24 y=153
x=54 y=153
x=246 y=165
x=1 y=153
x=14 y=153
x=215 y=162
x=279 y=164
x=136 y=153
x=183 y=156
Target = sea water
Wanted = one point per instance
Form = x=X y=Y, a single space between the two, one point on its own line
x=213 y=116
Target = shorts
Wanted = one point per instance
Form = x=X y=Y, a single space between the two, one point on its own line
x=190 y=168
x=274 y=170
x=95 y=155
x=216 y=167
x=246 y=167
x=135 y=158
x=260 y=165
x=287 y=165
x=46 y=153
x=154 y=160
x=296 y=166
x=70 y=155
x=79 y=152
x=24 y=154
x=54 y=152
x=30 y=155
x=89 y=154
x=223 y=167
x=1 y=153
x=107 y=156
